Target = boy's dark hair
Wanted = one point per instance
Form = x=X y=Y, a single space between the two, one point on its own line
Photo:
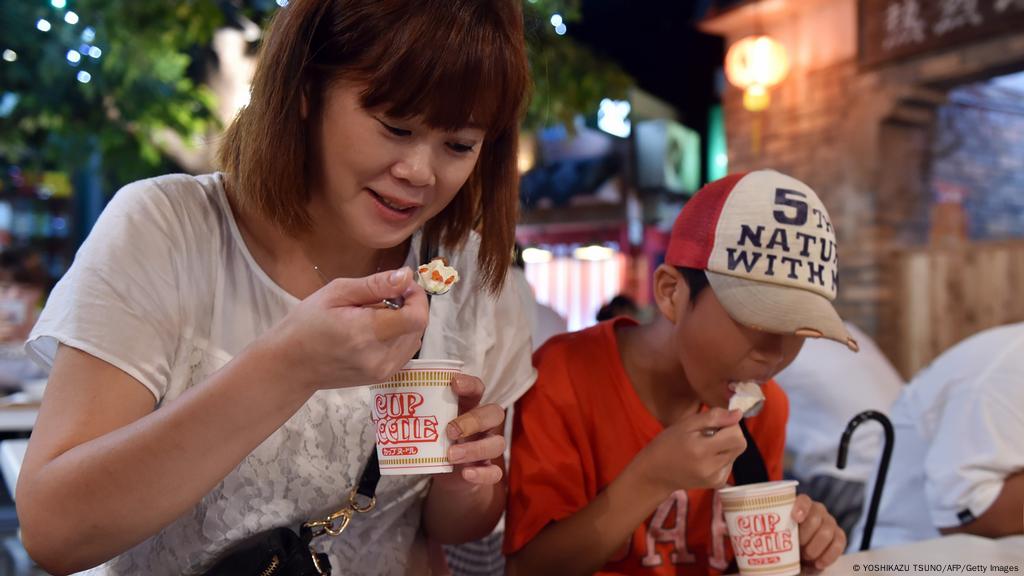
x=697 y=280
x=517 y=256
x=620 y=305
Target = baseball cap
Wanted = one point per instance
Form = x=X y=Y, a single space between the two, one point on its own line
x=766 y=243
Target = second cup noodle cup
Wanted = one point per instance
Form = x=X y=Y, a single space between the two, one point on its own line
x=764 y=536
x=411 y=411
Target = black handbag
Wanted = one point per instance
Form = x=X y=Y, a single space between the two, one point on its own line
x=282 y=552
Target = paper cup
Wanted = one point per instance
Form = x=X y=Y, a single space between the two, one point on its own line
x=410 y=413
x=764 y=536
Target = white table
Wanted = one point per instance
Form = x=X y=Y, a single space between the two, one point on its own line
x=15 y=416
x=18 y=419
x=920 y=557
x=18 y=412
x=12 y=453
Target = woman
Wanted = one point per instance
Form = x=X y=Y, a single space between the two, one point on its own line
x=207 y=344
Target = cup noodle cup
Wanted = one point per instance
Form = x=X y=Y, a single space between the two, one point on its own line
x=410 y=413
x=764 y=536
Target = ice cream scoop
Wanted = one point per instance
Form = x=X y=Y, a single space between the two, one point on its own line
x=747 y=397
x=436 y=276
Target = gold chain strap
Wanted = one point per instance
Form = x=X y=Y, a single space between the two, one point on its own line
x=342 y=516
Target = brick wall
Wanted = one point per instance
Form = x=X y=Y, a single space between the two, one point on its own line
x=865 y=141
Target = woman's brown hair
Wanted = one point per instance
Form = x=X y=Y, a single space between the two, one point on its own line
x=453 y=62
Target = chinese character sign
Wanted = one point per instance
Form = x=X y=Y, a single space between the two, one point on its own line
x=890 y=30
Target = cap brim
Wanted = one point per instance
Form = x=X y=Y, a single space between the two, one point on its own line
x=779 y=309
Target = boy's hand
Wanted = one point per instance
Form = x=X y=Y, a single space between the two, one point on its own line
x=696 y=452
x=822 y=541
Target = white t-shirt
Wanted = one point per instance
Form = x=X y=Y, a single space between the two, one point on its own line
x=959 y=428
x=549 y=323
x=544 y=322
x=827 y=385
x=165 y=289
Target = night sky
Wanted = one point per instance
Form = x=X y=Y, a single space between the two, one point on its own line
x=657 y=43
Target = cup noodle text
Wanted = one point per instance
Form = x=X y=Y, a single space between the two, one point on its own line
x=761 y=538
x=763 y=534
x=410 y=412
x=394 y=415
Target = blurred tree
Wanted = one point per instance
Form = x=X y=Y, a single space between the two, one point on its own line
x=568 y=78
x=101 y=75
x=115 y=76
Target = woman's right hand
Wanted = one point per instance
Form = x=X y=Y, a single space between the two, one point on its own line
x=683 y=456
x=342 y=336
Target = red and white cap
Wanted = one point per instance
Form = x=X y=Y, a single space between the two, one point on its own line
x=768 y=248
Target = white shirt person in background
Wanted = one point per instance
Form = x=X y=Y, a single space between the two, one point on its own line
x=958 y=462
x=828 y=385
x=544 y=321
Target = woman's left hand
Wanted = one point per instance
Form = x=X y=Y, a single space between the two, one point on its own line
x=476 y=436
x=822 y=541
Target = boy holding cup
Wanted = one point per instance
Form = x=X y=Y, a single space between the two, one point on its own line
x=614 y=457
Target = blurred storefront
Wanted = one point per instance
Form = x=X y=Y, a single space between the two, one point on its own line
x=906 y=116
x=599 y=200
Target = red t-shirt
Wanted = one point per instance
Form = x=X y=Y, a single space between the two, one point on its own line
x=578 y=428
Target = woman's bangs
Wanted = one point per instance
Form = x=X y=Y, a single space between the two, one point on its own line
x=451 y=76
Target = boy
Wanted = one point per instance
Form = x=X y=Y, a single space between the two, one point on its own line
x=614 y=458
